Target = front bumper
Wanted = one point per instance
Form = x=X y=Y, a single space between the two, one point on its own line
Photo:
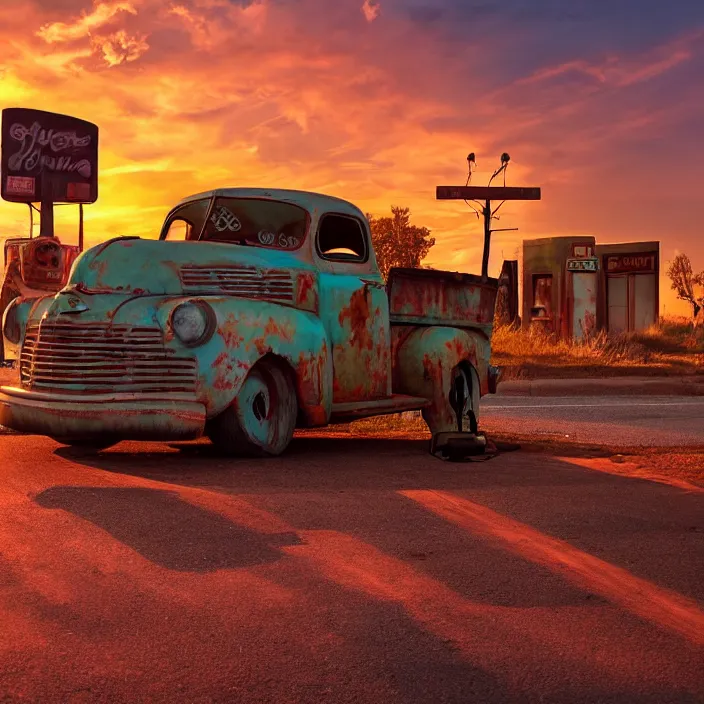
x=118 y=417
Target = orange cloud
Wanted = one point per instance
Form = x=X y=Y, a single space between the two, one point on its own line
x=102 y=14
x=119 y=48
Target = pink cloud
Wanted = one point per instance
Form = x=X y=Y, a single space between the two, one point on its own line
x=580 y=67
x=371 y=9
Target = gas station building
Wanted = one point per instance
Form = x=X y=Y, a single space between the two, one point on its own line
x=573 y=286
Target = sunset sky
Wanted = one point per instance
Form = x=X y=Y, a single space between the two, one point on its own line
x=600 y=102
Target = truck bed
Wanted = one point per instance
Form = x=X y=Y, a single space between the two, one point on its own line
x=430 y=297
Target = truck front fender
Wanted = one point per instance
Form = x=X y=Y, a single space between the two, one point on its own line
x=14 y=319
x=247 y=331
x=425 y=362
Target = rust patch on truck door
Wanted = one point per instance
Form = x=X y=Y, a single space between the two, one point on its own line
x=357 y=318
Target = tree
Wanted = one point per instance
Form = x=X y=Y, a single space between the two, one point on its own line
x=397 y=242
x=685 y=283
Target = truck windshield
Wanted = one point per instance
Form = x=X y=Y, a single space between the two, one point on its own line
x=250 y=221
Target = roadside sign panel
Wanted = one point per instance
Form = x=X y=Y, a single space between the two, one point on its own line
x=20 y=185
x=629 y=263
x=589 y=264
x=44 y=153
x=486 y=193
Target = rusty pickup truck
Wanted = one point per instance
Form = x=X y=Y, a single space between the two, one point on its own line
x=256 y=312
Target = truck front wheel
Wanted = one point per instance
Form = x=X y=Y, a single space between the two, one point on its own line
x=261 y=420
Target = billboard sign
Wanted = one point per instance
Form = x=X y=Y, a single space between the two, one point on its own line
x=44 y=154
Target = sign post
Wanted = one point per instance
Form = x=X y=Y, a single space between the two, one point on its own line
x=48 y=158
x=487 y=194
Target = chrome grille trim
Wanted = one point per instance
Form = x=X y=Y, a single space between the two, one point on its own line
x=246 y=281
x=102 y=358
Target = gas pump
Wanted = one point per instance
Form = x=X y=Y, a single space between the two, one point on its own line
x=45 y=158
x=582 y=286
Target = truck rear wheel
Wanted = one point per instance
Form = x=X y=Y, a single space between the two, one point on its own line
x=459 y=393
x=261 y=420
x=461 y=396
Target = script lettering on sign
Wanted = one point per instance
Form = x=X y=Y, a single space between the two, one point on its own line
x=41 y=148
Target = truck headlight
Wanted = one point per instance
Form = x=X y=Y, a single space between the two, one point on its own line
x=11 y=328
x=193 y=323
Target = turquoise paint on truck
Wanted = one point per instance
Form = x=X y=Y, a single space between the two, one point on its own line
x=273 y=315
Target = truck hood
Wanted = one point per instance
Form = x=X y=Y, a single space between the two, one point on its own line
x=134 y=266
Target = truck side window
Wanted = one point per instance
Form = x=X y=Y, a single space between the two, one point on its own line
x=178 y=230
x=342 y=238
x=187 y=222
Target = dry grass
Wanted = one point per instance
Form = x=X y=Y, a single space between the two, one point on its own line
x=670 y=347
x=398 y=424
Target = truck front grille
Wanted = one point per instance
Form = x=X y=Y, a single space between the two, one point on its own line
x=102 y=358
x=246 y=281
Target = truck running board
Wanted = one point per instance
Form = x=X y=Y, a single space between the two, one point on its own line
x=396 y=403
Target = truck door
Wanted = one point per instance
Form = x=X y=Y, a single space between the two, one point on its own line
x=354 y=308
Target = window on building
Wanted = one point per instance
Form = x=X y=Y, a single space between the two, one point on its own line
x=542 y=296
x=342 y=238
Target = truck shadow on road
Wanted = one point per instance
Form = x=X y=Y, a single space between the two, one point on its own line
x=167 y=530
x=310 y=463
x=341 y=520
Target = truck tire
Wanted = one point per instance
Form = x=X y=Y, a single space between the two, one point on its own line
x=441 y=416
x=462 y=385
x=261 y=419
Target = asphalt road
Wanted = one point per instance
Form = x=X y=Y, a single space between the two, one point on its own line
x=347 y=571
x=610 y=420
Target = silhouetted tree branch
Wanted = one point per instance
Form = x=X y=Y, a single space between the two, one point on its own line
x=685 y=282
x=397 y=242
